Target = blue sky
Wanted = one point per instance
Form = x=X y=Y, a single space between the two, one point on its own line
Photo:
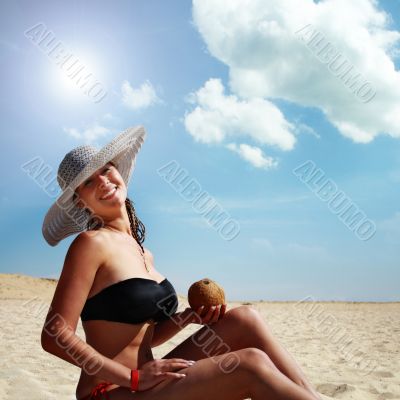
x=238 y=101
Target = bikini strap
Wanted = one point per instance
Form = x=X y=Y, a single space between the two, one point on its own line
x=100 y=390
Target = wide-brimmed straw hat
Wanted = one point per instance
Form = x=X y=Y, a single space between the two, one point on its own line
x=64 y=218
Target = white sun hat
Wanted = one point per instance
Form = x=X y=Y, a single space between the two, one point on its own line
x=64 y=218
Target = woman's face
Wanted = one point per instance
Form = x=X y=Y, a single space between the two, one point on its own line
x=102 y=191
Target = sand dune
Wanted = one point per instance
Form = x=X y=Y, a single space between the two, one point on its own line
x=348 y=350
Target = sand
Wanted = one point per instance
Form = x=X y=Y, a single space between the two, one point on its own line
x=347 y=350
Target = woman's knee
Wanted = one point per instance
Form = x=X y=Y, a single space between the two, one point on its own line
x=248 y=317
x=245 y=315
x=253 y=359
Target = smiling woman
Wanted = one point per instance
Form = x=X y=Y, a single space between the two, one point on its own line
x=110 y=174
x=127 y=306
x=110 y=187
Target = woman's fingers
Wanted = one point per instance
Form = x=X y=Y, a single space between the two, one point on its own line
x=167 y=360
x=223 y=310
x=174 y=374
x=212 y=313
x=201 y=311
x=177 y=365
x=216 y=314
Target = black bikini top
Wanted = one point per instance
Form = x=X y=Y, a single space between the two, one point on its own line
x=133 y=301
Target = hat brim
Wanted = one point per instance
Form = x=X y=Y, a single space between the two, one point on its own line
x=64 y=218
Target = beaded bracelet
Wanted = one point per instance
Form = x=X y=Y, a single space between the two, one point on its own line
x=134 y=380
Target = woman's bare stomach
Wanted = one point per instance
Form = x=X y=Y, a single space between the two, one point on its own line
x=106 y=337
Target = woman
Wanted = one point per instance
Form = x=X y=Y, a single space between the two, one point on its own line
x=127 y=306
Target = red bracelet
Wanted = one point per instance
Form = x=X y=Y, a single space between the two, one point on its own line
x=134 y=380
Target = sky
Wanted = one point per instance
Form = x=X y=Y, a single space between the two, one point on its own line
x=284 y=115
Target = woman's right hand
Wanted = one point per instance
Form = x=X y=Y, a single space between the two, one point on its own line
x=155 y=371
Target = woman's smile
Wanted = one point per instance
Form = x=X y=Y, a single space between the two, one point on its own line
x=110 y=194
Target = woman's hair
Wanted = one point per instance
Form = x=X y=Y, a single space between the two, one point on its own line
x=137 y=227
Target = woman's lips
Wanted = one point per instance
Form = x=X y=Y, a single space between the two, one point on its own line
x=110 y=195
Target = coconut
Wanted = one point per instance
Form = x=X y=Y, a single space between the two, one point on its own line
x=205 y=292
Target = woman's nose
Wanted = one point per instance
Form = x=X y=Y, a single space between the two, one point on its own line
x=103 y=182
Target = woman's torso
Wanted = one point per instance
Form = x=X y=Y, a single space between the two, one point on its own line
x=128 y=344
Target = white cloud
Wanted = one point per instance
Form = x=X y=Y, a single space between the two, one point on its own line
x=218 y=116
x=253 y=155
x=88 y=135
x=304 y=128
x=139 y=98
x=257 y=40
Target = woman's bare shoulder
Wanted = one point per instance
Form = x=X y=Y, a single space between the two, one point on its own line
x=88 y=239
x=84 y=257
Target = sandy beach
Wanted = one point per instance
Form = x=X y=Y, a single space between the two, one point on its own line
x=348 y=350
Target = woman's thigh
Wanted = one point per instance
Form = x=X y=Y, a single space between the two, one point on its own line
x=226 y=335
x=226 y=377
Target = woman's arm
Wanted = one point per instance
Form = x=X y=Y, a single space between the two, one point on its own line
x=60 y=340
x=84 y=257
x=165 y=330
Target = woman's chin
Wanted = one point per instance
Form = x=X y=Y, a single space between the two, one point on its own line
x=116 y=202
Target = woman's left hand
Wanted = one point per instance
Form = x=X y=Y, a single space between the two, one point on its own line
x=207 y=316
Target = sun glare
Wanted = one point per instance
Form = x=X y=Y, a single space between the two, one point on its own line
x=78 y=78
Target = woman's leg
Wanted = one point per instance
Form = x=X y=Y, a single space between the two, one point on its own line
x=232 y=376
x=241 y=327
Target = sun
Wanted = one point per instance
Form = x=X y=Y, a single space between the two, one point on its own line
x=78 y=77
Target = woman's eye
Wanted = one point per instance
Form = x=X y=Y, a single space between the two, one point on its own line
x=89 y=180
